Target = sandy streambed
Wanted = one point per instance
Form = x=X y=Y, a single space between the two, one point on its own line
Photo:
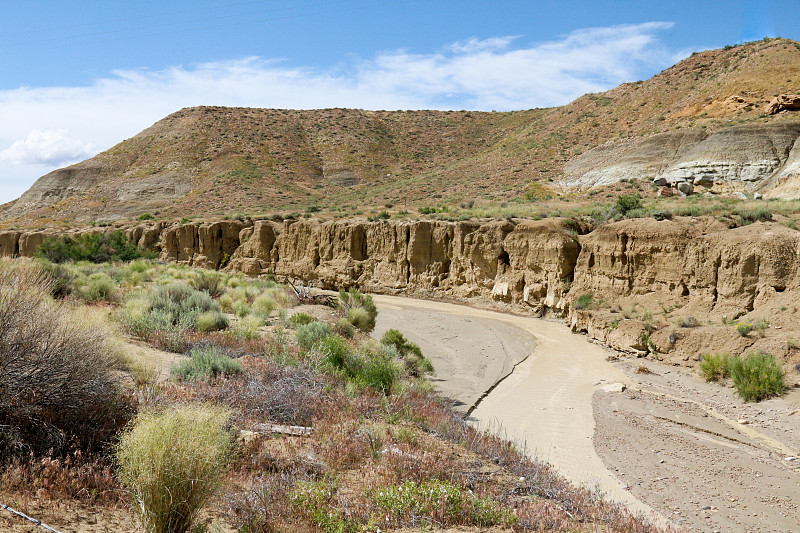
x=670 y=445
x=545 y=404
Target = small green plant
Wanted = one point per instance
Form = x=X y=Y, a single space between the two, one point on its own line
x=205 y=363
x=690 y=322
x=344 y=328
x=145 y=216
x=300 y=319
x=172 y=462
x=756 y=376
x=714 y=367
x=761 y=325
x=744 y=329
x=584 y=301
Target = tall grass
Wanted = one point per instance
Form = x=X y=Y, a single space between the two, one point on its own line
x=172 y=462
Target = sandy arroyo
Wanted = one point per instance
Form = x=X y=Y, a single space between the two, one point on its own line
x=683 y=452
x=545 y=404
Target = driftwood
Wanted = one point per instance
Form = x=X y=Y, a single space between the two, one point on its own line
x=302 y=290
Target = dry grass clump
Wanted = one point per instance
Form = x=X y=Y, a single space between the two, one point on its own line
x=172 y=462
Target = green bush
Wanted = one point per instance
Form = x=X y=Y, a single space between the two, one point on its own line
x=714 y=367
x=95 y=287
x=361 y=319
x=172 y=462
x=300 y=319
x=374 y=370
x=94 y=247
x=364 y=317
x=756 y=376
x=415 y=363
x=264 y=304
x=209 y=282
x=205 y=363
x=628 y=202
x=310 y=334
x=335 y=351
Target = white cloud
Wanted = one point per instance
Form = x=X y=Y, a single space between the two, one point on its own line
x=495 y=73
x=49 y=147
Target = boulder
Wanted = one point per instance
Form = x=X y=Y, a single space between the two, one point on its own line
x=666 y=192
x=660 y=181
x=685 y=188
x=758 y=196
x=784 y=102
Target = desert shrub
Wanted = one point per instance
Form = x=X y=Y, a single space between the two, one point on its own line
x=210 y=282
x=376 y=370
x=94 y=247
x=205 y=363
x=97 y=286
x=269 y=392
x=344 y=328
x=264 y=304
x=59 y=389
x=211 y=321
x=584 y=301
x=310 y=334
x=172 y=462
x=628 y=202
x=334 y=351
x=168 y=312
x=248 y=328
x=743 y=328
x=415 y=363
x=360 y=318
x=441 y=502
x=300 y=319
x=756 y=376
x=60 y=278
x=364 y=318
x=714 y=367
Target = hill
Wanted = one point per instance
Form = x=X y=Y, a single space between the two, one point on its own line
x=709 y=116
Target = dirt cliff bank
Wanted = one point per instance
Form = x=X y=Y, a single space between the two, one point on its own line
x=670 y=289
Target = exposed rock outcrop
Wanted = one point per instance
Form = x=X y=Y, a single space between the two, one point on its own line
x=784 y=102
x=735 y=158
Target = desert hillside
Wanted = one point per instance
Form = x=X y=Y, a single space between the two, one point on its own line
x=724 y=121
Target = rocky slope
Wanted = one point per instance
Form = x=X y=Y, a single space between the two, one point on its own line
x=674 y=288
x=726 y=120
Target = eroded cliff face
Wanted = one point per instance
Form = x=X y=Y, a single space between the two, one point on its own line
x=740 y=158
x=645 y=277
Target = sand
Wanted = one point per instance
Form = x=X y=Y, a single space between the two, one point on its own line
x=669 y=445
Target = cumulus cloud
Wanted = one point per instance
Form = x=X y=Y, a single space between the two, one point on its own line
x=49 y=147
x=496 y=73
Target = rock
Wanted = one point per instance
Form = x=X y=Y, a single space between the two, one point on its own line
x=757 y=196
x=613 y=387
x=790 y=458
x=685 y=188
x=666 y=192
x=704 y=181
x=660 y=181
x=784 y=102
x=743 y=421
x=740 y=196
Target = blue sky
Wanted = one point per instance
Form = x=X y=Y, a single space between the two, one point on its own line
x=79 y=77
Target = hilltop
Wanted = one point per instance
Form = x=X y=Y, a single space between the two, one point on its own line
x=708 y=115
